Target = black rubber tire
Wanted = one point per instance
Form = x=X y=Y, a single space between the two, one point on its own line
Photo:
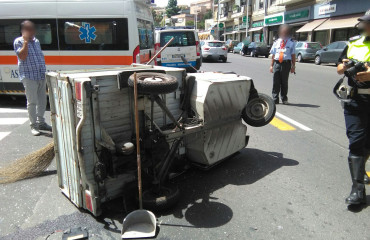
x=166 y=84
x=317 y=60
x=168 y=197
x=224 y=60
x=264 y=115
x=266 y=56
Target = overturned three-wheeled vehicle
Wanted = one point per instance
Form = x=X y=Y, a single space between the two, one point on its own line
x=185 y=119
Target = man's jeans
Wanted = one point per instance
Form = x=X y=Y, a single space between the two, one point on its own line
x=36 y=100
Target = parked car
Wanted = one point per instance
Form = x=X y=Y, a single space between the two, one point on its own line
x=255 y=49
x=306 y=50
x=238 y=48
x=230 y=44
x=214 y=50
x=330 y=53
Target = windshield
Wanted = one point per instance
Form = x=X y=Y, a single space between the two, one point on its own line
x=215 y=44
x=313 y=45
x=240 y=44
x=185 y=38
x=260 y=44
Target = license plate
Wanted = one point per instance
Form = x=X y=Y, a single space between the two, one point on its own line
x=178 y=55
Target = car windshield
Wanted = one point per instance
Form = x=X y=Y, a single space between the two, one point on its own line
x=240 y=44
x=215 y=44
x=313 y=45
x=260 y=44
x=186 y=38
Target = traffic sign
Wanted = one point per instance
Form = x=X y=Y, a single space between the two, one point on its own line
x=221 y=25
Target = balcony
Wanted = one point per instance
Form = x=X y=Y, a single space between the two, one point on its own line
x=225 y=16
x=289 y=2
x=241 y=11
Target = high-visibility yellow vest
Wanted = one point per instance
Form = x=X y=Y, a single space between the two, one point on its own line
x=359 y=50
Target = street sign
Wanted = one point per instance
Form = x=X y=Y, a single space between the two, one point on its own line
x=212 y=31
x=221 y=25
x=245 y=19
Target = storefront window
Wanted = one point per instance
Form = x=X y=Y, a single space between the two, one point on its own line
x=321 y=37
x=299 y=36
x=344 y=34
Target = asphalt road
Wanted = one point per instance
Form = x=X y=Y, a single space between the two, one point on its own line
x=289 y=183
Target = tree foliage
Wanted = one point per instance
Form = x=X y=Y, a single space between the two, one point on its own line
x=172 y=8
x=157 y=18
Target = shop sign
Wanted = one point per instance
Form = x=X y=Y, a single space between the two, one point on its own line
x=274 y=20
x=257 y=24
x=296 y=15
x=323 y=10
x=243 y=26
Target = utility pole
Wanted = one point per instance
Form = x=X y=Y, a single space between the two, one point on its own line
x=218 y=19
x=246 y=23
x=265 y=28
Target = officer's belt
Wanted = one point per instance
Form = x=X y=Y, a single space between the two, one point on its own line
x=363 y=91
x=284 y=61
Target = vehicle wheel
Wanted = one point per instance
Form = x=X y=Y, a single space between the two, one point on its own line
x=153 y=83
x=266 y=56
x=165 y=199
x=299 y=58
x=224 y=60
x=259 y=111
x=317 y=60
x=252 y=54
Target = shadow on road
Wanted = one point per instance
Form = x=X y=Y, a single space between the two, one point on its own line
x=303 y=105
x=197 y=205
x=7 y=101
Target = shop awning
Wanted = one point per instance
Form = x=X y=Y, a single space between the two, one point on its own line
x=255 y=29
x=308 y=27
x=339 y=22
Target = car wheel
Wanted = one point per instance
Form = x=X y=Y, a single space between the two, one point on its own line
x=259 y=110
x=153 y=83
x=318 y=60
x=299 y=58
x=224 y=60
x=266 y=56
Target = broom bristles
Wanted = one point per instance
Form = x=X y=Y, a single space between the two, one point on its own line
x=32 y=165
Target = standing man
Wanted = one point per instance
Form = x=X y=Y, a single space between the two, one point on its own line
x=31 y=64
x=283 y=62
x=357 y=111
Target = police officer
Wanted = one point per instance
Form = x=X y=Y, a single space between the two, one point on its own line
x=283 y=62
x=357 y=111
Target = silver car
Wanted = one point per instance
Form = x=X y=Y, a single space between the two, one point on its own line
x=214 y=50
x=306 y=50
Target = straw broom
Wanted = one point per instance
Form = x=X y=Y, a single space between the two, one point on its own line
x=32 y=165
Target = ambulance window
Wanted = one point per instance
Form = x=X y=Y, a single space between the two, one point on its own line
x=146 y=34
x=45 y=33
x=186 y=38
x=93 y=34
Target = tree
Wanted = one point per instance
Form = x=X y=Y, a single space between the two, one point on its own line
x=208 y=14
x=189 y=23
x=157 y=18
x=172 y=8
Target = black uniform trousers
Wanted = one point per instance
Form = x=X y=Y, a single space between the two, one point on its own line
x=357 y=118
x=281 y=75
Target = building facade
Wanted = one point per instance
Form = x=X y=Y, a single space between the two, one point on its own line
x=323 y=21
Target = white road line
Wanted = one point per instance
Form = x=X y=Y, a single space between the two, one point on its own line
x=12 y=110
x=3 y=135
x=295 y=123
x=12 y=121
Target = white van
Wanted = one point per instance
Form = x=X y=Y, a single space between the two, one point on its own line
x=80 y=34
x=186 y=44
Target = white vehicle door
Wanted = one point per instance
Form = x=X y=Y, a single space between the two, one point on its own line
x=184 y=45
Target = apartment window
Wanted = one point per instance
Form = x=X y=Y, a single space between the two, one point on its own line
x=272 y=2
x=261 y=3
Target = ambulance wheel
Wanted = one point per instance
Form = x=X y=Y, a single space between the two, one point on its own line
x=259 y=111
x=153 y=83
x=166 y=198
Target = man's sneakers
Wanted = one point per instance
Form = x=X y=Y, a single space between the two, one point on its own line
x=35 y=128
x=45 y=127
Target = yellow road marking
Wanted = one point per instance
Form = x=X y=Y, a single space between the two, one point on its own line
x=281 y=125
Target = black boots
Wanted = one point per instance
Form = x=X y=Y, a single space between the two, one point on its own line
x=357 y=169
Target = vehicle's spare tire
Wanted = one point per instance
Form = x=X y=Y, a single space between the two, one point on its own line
x=259 y=110
x=166 y=198
x=153 y=83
